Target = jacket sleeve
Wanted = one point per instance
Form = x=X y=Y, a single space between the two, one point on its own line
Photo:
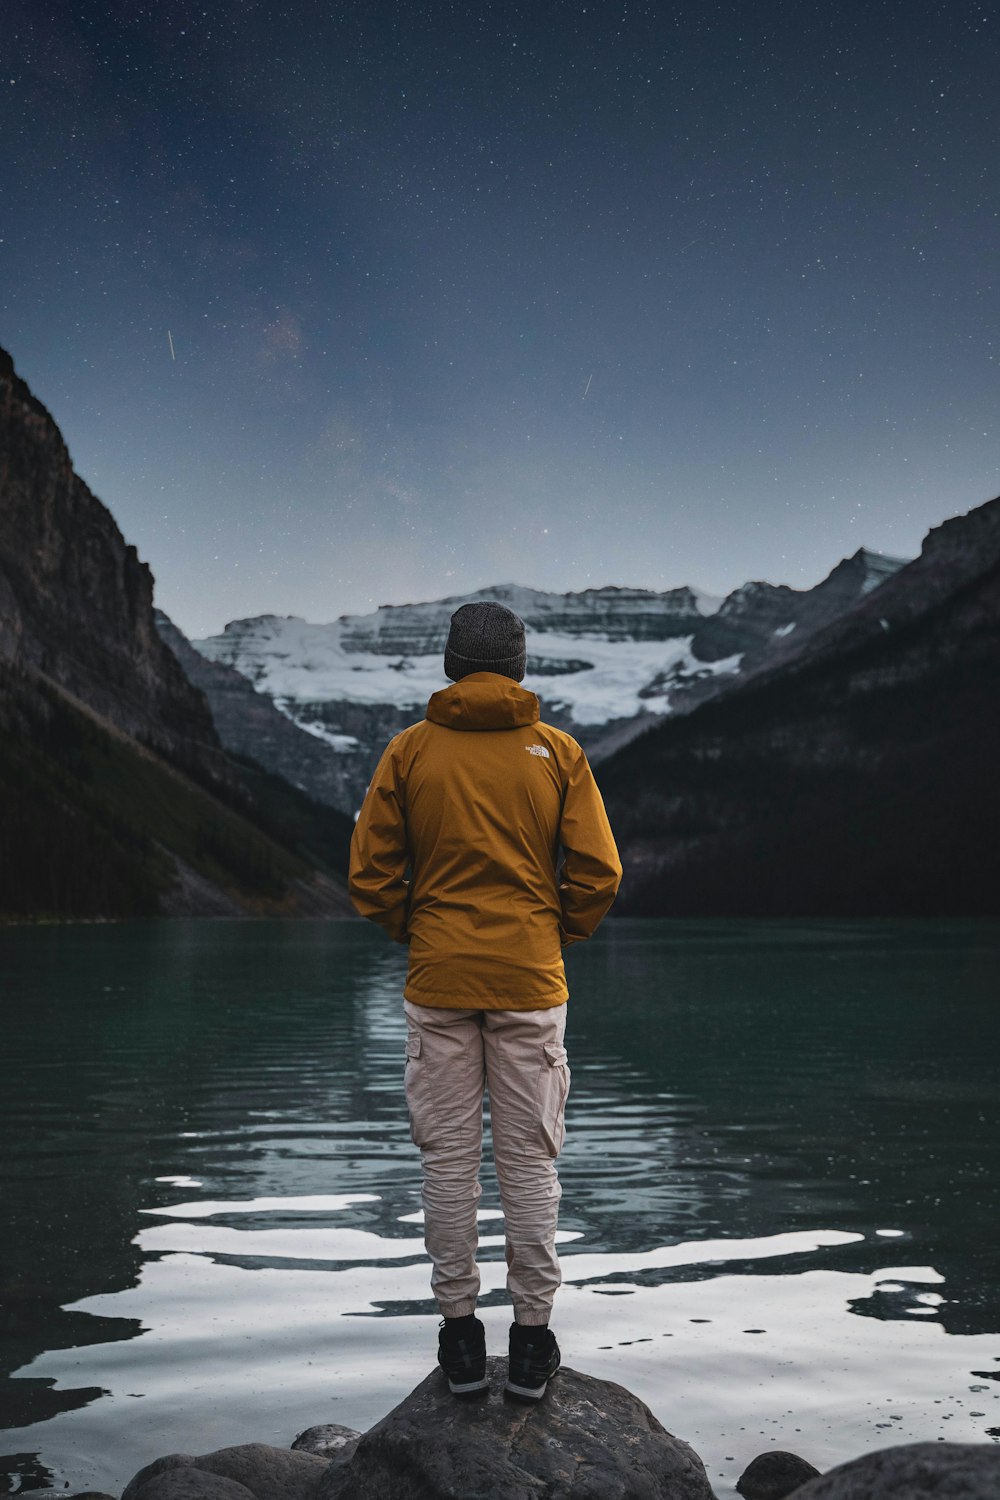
x=379 y=854
x=592 y=871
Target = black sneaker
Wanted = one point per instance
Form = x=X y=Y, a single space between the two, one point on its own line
x=462 y=1357
x=534 y=1359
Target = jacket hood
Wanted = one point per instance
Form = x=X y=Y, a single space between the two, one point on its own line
x=483 y=700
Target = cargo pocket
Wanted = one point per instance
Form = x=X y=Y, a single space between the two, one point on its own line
x=413 y=1086
x=553 y=1091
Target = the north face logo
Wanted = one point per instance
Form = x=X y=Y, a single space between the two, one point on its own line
x=537 y=750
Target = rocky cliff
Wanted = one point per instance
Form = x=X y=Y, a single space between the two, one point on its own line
x=116 y=796
x=249 y=724
x=75 y=600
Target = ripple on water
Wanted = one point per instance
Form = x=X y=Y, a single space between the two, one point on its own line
x=339 y=1323
x=779 y=1188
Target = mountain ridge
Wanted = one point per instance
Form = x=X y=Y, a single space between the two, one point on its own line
x=828 y=751
x=604 y=662
x=117 y=797
x=854 y=779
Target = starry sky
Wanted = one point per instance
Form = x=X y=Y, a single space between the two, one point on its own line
x=340 y=304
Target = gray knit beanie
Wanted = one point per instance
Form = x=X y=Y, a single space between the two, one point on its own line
x=485 y=637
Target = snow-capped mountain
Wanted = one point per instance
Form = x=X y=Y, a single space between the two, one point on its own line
x=584 y=662
x=603 y=662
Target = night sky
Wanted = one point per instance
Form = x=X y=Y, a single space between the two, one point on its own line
x=547 y=293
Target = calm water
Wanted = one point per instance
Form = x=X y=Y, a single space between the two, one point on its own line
x=780 y=1198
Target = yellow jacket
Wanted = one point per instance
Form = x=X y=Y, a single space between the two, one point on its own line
x=456 y=849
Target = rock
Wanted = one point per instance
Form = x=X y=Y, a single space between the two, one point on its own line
x=587 y=1439
x=189 y=1483
x=269 y=1473
x=329 y=1440
x=158 y=1466
x=250 y=1469
x=913 y=1471
x=772 y=1476
x=91 y=1495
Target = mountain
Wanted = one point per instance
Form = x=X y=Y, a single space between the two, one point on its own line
x=116 y=795
x=604 y=662
x=75 y=601
x=250 y=725
x=827 y=751
x=854 y=776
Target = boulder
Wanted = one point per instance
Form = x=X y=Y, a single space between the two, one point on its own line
x=189 y=1483
x=248 y=1470
x=772 y=1476
x=329 y=1440
x=587 y=1439
x=158 y=1466
x=269 y=1473
x=913 y=1471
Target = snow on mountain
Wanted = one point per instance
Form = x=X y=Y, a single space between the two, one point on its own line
x=592 y=673
x=603 y=662
x=594 y=657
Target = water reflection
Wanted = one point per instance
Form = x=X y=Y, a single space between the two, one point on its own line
x=780 y=1188
x=278 y=1337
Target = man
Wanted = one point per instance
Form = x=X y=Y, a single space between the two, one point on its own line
x=456 y=853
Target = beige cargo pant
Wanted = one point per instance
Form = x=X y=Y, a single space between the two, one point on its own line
x=452 y=1056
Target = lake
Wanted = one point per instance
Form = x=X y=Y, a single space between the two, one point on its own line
x=780 y=1188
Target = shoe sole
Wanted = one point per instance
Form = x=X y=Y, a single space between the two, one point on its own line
x=525 y=1392
x=468 y=1388
x=528 y=1392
